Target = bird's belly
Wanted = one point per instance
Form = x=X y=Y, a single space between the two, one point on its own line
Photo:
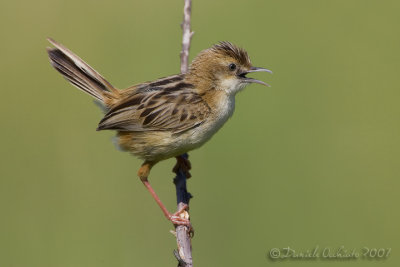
x=156 y=146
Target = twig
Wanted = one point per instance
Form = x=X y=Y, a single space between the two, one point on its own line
x=183 y=237
x=186 y=36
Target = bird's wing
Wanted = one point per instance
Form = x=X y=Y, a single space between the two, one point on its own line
x=175 y=109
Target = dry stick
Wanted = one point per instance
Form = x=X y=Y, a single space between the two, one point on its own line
x=183 y=237
x=186 y=36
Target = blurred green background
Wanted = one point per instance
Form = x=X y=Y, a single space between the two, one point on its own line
x=313 y=160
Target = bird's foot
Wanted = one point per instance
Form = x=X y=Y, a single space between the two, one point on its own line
x=183 y=164
x=181 y=217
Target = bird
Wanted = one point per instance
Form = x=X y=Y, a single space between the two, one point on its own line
x=167 y=117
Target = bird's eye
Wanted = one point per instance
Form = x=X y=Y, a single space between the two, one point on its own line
x=232 y=66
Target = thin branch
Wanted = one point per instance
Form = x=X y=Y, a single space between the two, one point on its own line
x=186 y=36
x=183 y=235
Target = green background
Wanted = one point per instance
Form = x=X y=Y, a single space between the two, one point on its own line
x=313 y=160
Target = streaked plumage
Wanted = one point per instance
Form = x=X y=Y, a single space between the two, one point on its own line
x=151 y=118
x=169 y=116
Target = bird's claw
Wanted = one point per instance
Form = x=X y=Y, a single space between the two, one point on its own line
x=181 y=217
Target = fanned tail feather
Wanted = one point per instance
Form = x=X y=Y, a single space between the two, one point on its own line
x=77 y=72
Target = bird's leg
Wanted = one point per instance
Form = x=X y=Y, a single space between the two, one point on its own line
x=183 y=164
x=175 y=218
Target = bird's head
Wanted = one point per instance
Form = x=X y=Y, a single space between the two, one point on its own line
x=224 y=66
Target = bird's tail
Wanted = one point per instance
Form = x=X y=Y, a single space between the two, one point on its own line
x=80 y=74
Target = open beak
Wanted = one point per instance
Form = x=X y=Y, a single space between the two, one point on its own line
x=251 y=80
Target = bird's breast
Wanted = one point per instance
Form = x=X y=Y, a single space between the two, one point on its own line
x=222 y=110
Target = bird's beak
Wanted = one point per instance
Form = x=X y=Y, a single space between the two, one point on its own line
x=245 y=79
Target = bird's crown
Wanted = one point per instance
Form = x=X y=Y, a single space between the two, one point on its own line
x=228 y=49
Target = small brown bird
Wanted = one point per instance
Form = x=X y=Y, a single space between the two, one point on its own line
x=170 y=116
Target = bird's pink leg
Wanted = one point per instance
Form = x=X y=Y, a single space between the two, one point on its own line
x=175 y=218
